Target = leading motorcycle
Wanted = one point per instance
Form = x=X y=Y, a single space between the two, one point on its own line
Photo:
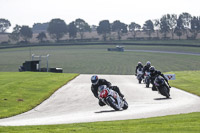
x=111 y=98
x=162 y=86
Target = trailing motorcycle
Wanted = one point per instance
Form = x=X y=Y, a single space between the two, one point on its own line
x=111 y=98
x=147 y=78
x=162 y=86
x=139 y=75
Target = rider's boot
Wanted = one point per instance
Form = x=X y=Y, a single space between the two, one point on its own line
x=154 y=88
x=101 y=103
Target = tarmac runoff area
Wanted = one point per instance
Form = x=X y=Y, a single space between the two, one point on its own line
x=75 y=103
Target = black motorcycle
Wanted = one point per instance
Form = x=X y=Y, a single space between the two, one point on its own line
x=162 y=86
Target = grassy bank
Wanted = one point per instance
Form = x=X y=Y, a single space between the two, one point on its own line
x=183 y=123
x=20 y=92
x=188 y=81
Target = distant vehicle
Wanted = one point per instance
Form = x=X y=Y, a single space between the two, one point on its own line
x=117 y=48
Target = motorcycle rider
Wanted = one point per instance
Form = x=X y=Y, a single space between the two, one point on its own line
x=96 y=82
x=153 y=74
x=139 y=66
x=146 y=68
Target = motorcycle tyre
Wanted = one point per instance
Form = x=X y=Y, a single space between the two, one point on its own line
x=147 y=84
x=140 y=81
x=125 y=105
x=112 y=104
x=165 y=92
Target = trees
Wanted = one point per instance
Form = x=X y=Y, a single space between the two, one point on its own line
x=72 y=30
x=82 y=27
x=186 y=18
x=15 y=35
x=168 y=23
x=26 y=33
x=57 y=29
x=4 y=25
x=164 y=25
x=133 y=27
x=120 y=28
x=41 y=36
x=179 y=27
x=104 y=28
x=172 y=21
x=156 y=23
x=148 y=27
x=195 y=27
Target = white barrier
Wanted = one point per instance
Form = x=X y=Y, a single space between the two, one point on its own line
x=170 y=76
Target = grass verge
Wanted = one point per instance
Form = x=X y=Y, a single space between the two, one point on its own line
x=187 y=123
x=20 y=92
x=187 y=80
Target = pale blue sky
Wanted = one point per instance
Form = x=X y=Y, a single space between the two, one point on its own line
x=28 y=12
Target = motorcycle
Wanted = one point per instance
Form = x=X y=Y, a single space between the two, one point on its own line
x=139 y=75
x=162 y=86
x=147 y=78
x=111 y=98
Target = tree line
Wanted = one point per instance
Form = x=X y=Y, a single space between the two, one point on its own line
x=183 y=24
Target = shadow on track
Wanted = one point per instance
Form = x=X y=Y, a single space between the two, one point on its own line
x=106 y=111
x=162 y=98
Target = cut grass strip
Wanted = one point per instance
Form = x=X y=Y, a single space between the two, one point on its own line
x=20 y=92
x=185 y=123
x=187 y=80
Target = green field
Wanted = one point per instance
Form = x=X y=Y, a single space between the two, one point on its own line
x=90 y=59
x=183 y=123
x=95 y=59
x=20 y=92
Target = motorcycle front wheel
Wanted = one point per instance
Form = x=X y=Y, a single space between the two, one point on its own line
x=125 y=105
x=112 y=103
x=165 y=91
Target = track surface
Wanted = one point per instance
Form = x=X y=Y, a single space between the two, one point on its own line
x=75 y=103
x=159 y=51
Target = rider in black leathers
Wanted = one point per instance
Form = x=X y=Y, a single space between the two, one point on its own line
x=153 y=74
x=146 y=68
x=96 y=82
x=139 y=66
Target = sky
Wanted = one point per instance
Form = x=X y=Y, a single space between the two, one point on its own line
x=28 y=12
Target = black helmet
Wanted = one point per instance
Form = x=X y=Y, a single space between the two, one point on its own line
x=94 y=79
x=152 y=69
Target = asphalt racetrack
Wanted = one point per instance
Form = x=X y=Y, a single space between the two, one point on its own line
x=75 y=103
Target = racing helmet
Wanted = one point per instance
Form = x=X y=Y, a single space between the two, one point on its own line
x=139 y=63
x=148 y=63
x=94 y=79
x=152 y=69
